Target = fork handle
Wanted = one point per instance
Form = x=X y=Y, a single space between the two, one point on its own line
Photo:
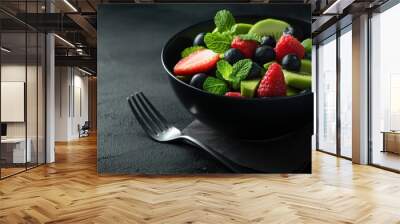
x=229 y=164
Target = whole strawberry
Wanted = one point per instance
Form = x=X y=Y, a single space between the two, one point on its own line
x=273 y=82
x=246 y=47
x=288 y=44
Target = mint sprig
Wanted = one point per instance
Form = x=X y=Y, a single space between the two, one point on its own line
x=234 y=74
x=224 y=20
x=224 y=69
x=218 y=42
x=215 y=86
x=189 y=50
x=240 y=71
x=219 y=75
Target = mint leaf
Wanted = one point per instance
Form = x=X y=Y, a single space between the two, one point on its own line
x=218 y=75
x=215 y=86
x=250 y=36
x=224 y=20
x=240 y=70
x=190 y=50
x=224 y=69
x=218 y=42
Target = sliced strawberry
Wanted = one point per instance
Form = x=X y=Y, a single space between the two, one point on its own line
x=233 y=94
x=198 y=61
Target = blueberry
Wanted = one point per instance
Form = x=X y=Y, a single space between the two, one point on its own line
x=264 y=54
x=256 y=71
x=233 y=55
x=199 y=40
x=289 y=30
x=198 y=80
x=268 y=41
x=291 y=62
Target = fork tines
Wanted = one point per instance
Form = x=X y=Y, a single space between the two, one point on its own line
x=147 y=115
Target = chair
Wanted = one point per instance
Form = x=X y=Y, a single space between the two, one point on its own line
x=84 y=129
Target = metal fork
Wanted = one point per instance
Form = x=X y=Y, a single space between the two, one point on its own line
x=160 y=130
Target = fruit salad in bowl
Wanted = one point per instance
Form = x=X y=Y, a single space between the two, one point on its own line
x=245 y=76
x=264 y=59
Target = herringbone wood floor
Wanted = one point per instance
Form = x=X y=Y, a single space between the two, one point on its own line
x=70 y=191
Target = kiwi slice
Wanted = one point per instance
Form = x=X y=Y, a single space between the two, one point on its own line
x=269 y=27
x=266 y=65
x=185 y=78
x=297 y=80
x=241 y=28
x=307 y=44
x=238 y=28
x=292 y=91
x=248 y=88
x=305 y=66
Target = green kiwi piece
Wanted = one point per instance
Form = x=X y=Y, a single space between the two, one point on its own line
x=269 y=27
x=307 y=44
x=185 y=78
x=306 y=66
x=241 y=28
x=248 y=88
x=266 y=65
x=292 y=91
x=297 y=80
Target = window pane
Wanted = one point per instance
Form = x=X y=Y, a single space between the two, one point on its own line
x=346 y=92
x=385 y=89
x=14 y=153
x=31 y=97
x=327 y=95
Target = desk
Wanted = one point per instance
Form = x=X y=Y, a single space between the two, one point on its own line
x=391 y=141
x=13 y=150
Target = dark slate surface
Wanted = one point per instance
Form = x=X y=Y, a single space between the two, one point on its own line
x=130 y=39
x=289 y=153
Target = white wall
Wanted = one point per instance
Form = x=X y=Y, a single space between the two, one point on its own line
x=17 y=72
x=33 y=126
x=14 y=72
x=70 y=109
x=62 y=81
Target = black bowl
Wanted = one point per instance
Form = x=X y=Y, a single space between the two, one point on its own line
x=256 y=118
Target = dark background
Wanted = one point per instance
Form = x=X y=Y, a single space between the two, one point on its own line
x=130 y=39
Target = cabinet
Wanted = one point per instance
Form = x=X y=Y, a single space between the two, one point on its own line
x=391 y=141
x=13 y=150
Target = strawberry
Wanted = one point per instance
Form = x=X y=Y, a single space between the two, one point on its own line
x=197 y=62
x=273 y=82
x=288 y=44
x=246 y=47
x=233 y=94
